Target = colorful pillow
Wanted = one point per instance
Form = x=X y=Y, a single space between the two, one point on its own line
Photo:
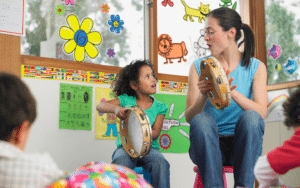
x=102 y=175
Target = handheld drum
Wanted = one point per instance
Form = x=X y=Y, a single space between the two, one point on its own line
x=136 y=133
x=212 y=71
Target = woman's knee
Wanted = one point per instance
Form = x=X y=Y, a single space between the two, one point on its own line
x=250 y=120
x=202 y=122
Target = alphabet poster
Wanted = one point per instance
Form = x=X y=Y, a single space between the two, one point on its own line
x=75 y=107
x=106 y=124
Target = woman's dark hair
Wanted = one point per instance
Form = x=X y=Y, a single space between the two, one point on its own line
x=127 y=75
x=16 y=104
x=229 y=18
x=291 y=109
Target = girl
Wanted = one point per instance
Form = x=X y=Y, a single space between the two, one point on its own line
x=279 y=161
x=232 y=136
x=133 y=87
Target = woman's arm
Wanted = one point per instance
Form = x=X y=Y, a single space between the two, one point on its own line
x=157 y=126
x=196 y=98
x=112 y=106
x=260 y=96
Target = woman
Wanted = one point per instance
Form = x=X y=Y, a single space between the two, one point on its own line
x=232 y=136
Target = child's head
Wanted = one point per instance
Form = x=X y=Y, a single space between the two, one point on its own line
x=291 y=109
x=229 y=18
x=17 y=105
x=128 y=75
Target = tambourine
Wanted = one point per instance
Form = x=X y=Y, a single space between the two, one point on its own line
x=136 y=133
x=213 y=72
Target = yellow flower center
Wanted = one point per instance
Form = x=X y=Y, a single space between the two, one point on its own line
x=116 y=24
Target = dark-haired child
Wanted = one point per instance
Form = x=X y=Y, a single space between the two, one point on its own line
x=17 y=113
x=133 y=87
x=279 y=161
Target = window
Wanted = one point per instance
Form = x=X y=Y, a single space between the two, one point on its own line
x=120 y=25
x=276 y=22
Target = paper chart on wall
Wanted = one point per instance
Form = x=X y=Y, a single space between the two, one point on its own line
x=275 y=101
x=75 y=107
x=106 y=124
x=174 y=137
x=12 y=17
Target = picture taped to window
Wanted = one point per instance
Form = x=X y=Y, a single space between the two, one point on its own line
x=180 y=31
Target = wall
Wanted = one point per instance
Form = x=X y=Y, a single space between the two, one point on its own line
x=71 y=149
x=275 y=134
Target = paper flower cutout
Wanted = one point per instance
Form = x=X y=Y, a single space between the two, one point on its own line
x=105 y=8
x=60 y=10
x=69 y=2
x=110 y=53
x=116 y=23
x=80 y=38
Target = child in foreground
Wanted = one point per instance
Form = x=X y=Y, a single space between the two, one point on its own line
x=17 y=113
x=279 y=161
x=133 y=87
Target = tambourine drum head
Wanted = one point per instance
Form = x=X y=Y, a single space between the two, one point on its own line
x=212 y=71
x=135 y=132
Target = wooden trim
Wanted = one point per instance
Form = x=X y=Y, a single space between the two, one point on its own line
x=153 y=34
x=10 y=54
x=174 y=78
x=285 y=85
x=65 y=64
x=257 y=23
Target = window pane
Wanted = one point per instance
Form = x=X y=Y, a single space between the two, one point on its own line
x=282 y=40
x=117 y=25
x=183 y=23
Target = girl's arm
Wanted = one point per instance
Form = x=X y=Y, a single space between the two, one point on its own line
x=157 y=126
x=260 y=96
x=112 y=106
x=196 y=98
x=264 y=174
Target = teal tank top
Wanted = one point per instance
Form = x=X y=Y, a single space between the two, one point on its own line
x=243 y=78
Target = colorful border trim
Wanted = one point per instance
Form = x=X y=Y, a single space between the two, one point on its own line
x=177 y=87
x=51 y=73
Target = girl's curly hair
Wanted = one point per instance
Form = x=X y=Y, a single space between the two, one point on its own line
x=130 y=73
x=291 y=109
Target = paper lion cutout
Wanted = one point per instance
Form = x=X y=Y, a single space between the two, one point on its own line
x=170 y=50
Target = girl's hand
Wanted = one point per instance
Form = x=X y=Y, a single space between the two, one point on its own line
x=204 y=86
x=120 y=112
x=230 y=80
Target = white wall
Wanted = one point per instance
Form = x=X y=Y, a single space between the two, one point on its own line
x=73 y=148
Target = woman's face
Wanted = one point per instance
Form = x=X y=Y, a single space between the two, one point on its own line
x=216 y=38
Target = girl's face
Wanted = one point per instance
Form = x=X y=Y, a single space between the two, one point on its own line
x=147 y=81
x=216 y=38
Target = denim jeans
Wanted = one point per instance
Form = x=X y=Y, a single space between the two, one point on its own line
x=210 y=152
x=154 y=162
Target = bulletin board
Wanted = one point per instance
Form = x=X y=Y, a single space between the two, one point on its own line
x=180 y=32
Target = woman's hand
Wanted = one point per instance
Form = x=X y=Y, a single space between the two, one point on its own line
x=120 y=112
x=230 y=80
x=204 y=86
